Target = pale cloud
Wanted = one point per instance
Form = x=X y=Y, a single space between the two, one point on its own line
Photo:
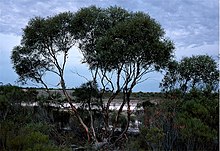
x=7 y=42
x=191 y=24
x=198 y=18
x=204 y=49
x=16 y=14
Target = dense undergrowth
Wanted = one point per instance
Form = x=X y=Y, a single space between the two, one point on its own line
x=179 y=122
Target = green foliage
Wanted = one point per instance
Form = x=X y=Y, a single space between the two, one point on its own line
x=128 y=41
x=113 y=36
x=116 y=44
x=11 y=98
x=16 y=136
x=31 y=95
x=3 y=102
x=20 y=129
x=12 y=93
x=199 y=72
x=30 y=139
x=120 y=47
x=182 y=123
x=195 y=109
x=195 y=128
x=153 y=135
x=42 y=41
x=86 y=91
x=122 y=120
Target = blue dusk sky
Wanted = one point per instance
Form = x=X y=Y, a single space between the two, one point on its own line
x=193 y=26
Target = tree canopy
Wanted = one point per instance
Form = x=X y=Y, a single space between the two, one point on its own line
x=113 y=41
x=43 y=40
x=120 y=47
x=113 y=36
x=198 y=72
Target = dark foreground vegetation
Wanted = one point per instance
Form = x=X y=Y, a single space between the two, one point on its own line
x=179 y=122
x=120 y=49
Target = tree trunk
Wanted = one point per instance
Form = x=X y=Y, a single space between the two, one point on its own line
x=74 y=109
x=128 y=116
x=106 y=118
x=117 y=117
x=91 y=118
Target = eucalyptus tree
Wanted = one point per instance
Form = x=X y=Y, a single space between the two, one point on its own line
x=199 y=72
x=93 y=23
x=121 y=47
x=44 y=48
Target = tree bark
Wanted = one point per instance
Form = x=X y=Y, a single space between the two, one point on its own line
x=74 y=109
x=128 y=116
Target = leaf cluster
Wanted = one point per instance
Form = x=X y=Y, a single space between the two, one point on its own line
x=43 y=40
x=113 y=36
x=196 y=72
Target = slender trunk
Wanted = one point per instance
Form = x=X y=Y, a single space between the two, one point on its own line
x=92 y=126
x=119 y=112
x=112 y=97
x=74 y=109
x=105 y=108
x=117 y=117
x=91 y=117
x=128 y=117
x=60 y=73
x=103 y=111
